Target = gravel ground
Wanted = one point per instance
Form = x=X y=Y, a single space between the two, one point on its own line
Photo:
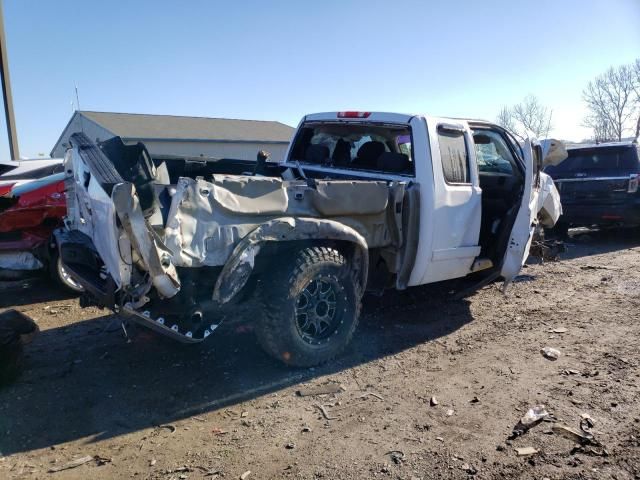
x=148 y=408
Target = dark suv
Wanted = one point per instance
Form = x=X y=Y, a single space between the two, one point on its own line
x=598 y=185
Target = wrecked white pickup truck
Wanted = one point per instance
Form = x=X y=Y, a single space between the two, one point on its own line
x=362 y=202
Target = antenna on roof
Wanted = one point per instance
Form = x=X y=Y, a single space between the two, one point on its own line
x=77 y=98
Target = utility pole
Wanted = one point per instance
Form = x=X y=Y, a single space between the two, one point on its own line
x=6 y=93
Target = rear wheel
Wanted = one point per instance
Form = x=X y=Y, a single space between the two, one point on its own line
x=310 y=308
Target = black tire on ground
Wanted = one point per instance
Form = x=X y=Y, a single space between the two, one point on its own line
x=61 y=277
x=311 y=305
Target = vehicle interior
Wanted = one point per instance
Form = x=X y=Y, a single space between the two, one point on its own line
x=372 y=148
x=502 y=181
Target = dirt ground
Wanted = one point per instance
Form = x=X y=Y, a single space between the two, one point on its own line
x=150 y=408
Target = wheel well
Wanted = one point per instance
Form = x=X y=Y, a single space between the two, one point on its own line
x=274 y=251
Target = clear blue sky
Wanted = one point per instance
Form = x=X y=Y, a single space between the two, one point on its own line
x=279 y=60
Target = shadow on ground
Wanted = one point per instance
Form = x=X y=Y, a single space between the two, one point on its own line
x=84 y=380
x=39 y=289
x=584 y=242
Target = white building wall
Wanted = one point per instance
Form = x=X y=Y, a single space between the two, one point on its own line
x=241 y=151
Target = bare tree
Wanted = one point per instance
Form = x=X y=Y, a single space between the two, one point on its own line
x=505 y=119
x=526 y=118
x=635 y=68
x=533 y=116
x=601 y=128
x=610 y=98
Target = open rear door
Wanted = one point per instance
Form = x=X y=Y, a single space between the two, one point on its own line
x=524 y=226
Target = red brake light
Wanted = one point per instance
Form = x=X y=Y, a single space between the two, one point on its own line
x=354 y=114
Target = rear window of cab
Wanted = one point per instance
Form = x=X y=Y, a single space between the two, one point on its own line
x=365 y=147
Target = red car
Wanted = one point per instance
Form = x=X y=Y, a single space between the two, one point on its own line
x=29 y=213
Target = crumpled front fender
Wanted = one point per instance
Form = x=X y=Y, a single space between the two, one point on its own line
x=240 y=264
x=550 y=207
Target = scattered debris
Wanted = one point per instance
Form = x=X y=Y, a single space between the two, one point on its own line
x=218 y=431
x=586 y=423
x=152 y=462
x=579 y=437
x=559 y=330
x=534 y=415
x=440 y=439
x=171 y=428
x=324 y=412
x=245 y=475
x=570 y=371
x=72 y=464
x=102 y=460
x=433 y=401
x=526 y=451
x=397 y=456
x=244 y=414
x=450 y=412
x=474 y=400
x=306 y=429
x=371 y=394
x=326 y=389
x=290 y=446
x=550 y=353
x=470 y=469
x=530 y=419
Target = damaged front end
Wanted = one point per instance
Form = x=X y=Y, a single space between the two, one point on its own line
x=177 y=256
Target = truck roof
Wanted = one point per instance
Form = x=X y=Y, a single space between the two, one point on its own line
x=385 y=117
x=625 y=143
x=354 y=116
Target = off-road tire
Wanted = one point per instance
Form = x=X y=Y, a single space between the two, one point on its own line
x=278 y=330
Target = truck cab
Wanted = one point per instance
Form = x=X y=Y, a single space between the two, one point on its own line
x=362 y=201
x=473 y=179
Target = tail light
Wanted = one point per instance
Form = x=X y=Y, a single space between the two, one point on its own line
x=354 y=114
x=633 y=183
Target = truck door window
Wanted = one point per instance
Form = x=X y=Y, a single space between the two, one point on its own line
x=454 y=156
x=492 y=153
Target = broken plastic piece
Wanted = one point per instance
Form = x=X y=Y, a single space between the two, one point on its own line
x=534 y=415
x=550 y=353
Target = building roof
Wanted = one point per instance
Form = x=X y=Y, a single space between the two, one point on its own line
x=140 y=126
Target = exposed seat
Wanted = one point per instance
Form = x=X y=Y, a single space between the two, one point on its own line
x=316 y=154
x=341 y=155
x=368 y=154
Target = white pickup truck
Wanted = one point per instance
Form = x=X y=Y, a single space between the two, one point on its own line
x=362 y=202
